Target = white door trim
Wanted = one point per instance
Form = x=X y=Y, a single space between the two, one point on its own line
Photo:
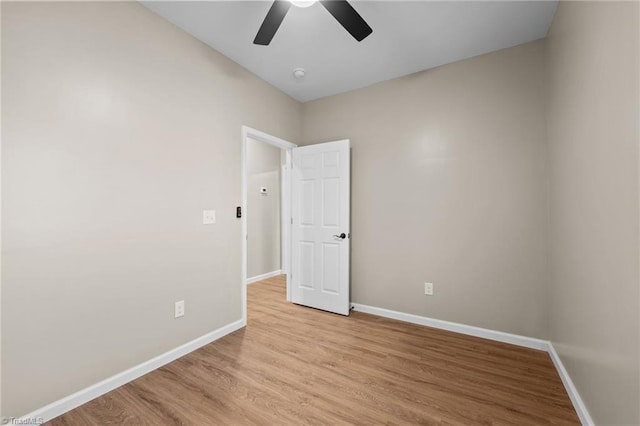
x=248 y=132
x=285 y=215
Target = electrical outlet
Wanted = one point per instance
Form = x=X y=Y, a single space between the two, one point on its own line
x=179 y=309
x=208 y=217
x=428 y=289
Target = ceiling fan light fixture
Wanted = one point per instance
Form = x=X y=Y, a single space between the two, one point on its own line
x=341 y=10
x=302 y=3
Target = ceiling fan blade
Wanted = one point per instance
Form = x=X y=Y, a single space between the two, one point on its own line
x=272 y=22
x=348 y=18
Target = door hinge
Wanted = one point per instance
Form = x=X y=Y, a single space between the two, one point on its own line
x=292 y=221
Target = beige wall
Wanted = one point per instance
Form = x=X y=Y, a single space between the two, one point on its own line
x=263 y=211
x=118 y=129
x=593 y=149
x=449 y=186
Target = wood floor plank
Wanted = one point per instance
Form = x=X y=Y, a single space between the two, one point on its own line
x=297 y=365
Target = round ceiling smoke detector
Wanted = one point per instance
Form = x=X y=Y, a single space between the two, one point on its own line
x=299 y=73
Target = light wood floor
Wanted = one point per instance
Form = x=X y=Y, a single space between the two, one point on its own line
x=295 y=365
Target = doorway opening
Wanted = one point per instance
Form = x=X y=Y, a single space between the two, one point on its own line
x=266 y=209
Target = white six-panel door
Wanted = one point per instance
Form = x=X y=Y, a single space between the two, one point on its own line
x=320 y=231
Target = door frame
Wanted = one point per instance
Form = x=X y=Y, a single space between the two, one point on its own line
x=285 y=208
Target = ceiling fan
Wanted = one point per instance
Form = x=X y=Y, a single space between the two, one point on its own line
x=341 y=10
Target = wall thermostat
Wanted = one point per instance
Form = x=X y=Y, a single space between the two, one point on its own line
x=263 y=190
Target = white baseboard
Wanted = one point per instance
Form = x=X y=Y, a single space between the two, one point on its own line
x=514 y=339
x=83 y=396
x=578 y=404
x=264 y=276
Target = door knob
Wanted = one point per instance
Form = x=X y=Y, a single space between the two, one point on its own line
x=341 y=236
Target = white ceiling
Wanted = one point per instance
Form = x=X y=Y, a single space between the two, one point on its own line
x=408 y=36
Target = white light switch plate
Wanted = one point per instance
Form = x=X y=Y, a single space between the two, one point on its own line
x=208 y=217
